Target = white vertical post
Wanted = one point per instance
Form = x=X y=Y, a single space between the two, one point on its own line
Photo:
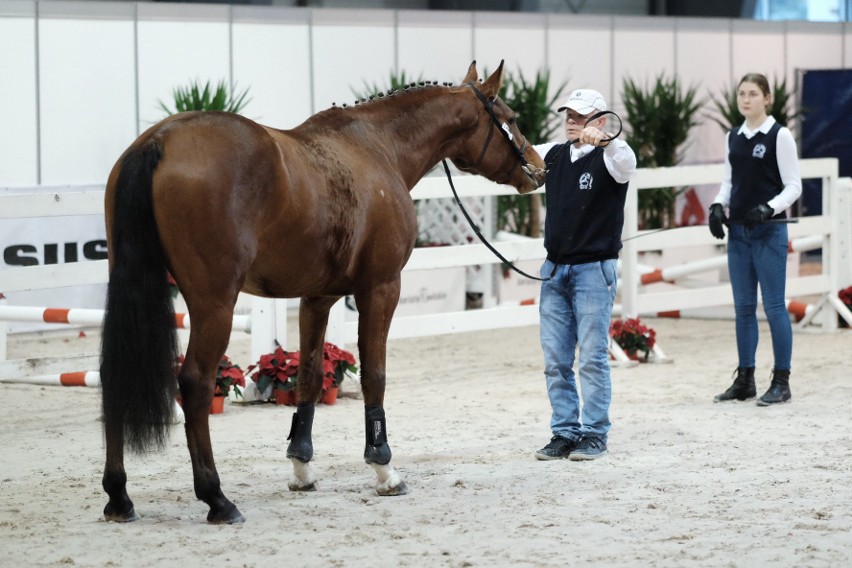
x=4 y=333
x=335 y=332
x=264 y=327
x=630 y=277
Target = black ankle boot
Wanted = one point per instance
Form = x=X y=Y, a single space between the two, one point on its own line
x=779 y=390
x=743 y=387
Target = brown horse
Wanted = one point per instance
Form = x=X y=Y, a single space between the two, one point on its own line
x=316 y=213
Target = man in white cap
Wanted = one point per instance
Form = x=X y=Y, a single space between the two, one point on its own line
x=586 y=188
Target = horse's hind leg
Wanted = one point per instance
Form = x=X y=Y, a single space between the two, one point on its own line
x=313 y=319
x=208 y=339
x=376 y=307
x=120 y=507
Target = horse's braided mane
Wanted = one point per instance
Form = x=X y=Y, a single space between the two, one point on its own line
x=417 y=86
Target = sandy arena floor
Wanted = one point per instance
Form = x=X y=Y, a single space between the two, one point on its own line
x=687 y=482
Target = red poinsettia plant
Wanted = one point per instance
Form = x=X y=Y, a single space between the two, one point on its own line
x=279 y=369
x=336 y=362
x=633 y=336
x=228 y=376
x=845 y=296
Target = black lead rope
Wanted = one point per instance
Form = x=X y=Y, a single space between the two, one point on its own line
x=504 y=130
x=476 y=230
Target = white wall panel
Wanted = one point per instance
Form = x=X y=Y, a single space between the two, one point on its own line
x=87 y=110
x=271 y=57
x=351 y=48
x=812 y=45
x=643 y=49
x=758 y=47
x=519 y=41
x=579 y=53
x=703 y=59
x=435 y=46
x=18 y=142
x=179 y=43
x=298 y=61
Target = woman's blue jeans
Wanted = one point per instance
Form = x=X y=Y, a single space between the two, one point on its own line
x=758 y=256
x=575 y=310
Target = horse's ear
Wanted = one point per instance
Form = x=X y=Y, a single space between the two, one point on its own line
x=491 y=86
x=472 y=76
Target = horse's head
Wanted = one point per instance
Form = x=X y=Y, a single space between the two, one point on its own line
x=496 y=148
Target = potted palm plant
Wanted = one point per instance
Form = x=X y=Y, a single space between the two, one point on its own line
x=195 y=96
x=659 y=118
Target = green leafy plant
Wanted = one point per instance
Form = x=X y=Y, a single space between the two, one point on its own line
x=727 y=114
x=197 y=97
x=659 y=118
x=633 y=336
x=534 y=103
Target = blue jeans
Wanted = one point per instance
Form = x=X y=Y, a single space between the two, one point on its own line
x=759 y=256
x=575 y=310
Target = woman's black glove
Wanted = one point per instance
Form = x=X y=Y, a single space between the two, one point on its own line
x=717 y=220
x=757 y=215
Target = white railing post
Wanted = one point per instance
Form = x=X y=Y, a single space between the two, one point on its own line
x=630 y=275
x=4 y=332
x=335 y=332
x=266 y=327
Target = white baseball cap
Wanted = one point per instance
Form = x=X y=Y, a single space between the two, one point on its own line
x=584 y=101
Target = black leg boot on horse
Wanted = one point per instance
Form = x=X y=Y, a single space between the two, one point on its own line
x=301 y=448
x=743 y=387
x=377 y=452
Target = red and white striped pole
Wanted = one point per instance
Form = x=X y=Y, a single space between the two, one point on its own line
x=82 y=316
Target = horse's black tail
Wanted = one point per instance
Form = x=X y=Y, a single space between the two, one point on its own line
x=139 y=346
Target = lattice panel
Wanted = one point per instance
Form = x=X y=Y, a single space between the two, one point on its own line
x=441 y=221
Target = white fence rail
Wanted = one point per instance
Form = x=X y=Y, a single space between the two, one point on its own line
x=268 y=319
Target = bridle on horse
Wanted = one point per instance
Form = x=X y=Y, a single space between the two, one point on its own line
x=531 y=171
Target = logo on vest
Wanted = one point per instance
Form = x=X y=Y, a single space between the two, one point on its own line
x=586 y=181
x=759 y=151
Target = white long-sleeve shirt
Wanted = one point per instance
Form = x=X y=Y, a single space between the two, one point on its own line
x=788 y=167
x=619 y=159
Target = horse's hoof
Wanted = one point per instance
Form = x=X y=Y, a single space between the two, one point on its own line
x=229 y=516
x=112 y=514
x=296 y=486
x=399 y=489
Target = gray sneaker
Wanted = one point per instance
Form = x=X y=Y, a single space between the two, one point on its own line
x=589 y=448
x=559 y=448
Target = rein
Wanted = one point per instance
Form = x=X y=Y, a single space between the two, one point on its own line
x=504 y=129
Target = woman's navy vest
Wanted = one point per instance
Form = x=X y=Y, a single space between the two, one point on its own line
x=755 y=178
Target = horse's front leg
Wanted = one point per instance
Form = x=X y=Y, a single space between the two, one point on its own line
x=313 y=319
x=375 y=308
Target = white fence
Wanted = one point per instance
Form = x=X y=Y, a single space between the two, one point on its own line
x=268 y=318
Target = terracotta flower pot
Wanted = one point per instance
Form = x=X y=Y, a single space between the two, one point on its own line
x=218 y=405
x=285 y=397
x=329 y=396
